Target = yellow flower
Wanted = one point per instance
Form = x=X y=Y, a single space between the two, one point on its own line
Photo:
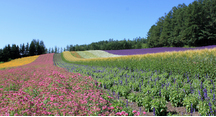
x=19 y=62
x=188 y=54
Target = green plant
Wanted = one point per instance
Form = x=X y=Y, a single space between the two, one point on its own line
x=159 y=103
x=190 y=99
x=132 y=97
x=203 y=108
x=123 y=91
x=147 y=103
x=165 y=93
x=176 y=98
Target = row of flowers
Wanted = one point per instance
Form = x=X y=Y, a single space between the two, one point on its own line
x=18 y=62
x=42 y=89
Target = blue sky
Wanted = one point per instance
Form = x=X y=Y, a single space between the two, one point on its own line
x=65 y=22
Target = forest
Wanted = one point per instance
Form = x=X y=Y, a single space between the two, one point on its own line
x=192 y=25
x=8 y=53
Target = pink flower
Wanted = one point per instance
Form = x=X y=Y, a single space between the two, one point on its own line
x=104 y=107
x=118 y=113
x=137 y=114
x=126 y=114
x=134 y=111
x=51 y=98
x=123 y=112
x=111 y=108
x=144 y=112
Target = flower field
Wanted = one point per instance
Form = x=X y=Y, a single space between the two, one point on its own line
x=75 y=54
x=153 y=81
x=42 y=89
x=169 y=83
x=86 y=54
x=93 y=54
x=154 y=50
x=102 y=54
x=18 y=62
x=194 y=62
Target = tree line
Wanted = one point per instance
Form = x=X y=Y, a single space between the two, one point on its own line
x=136 y=43
x=192 y=25
x=8 y=53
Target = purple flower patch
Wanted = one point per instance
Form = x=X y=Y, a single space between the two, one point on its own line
x=154 y=50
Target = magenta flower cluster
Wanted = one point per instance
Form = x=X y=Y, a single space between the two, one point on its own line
x=42 y=89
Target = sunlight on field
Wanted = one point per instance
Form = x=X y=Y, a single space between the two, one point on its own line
x=188 y=53
x=67 y=55
x=19 y=62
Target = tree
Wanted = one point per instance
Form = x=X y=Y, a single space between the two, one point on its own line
x=67 y=48
x=167 y=29
x=150 y=34
x=1 y=55
x=13 y=51
x=22 y=49
x=38 y=48
x=27 y=49
x=191 y=32
x=17 y=52
x=71 y=48
x=56 y=49
x=52 y=50
x=139 y=45
x=9 y=51
x=32 y=48
x=208 y=31
x=6 y=54
x=42 y=47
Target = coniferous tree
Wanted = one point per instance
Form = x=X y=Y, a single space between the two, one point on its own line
x=52 y=50
x=1 y=55
x=32 y=48
x=56 y=49
x=179 y=19
x=13 y=51
x=167 y=29
x=17 y=52
x=155 y=32
x=6 y=54
x=208 y=33
x=42 y=47
x=191 y=32
x=49 y=50
x=27 y=49
x=22 y=49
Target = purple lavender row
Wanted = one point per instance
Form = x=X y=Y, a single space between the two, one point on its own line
x=154 y=50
